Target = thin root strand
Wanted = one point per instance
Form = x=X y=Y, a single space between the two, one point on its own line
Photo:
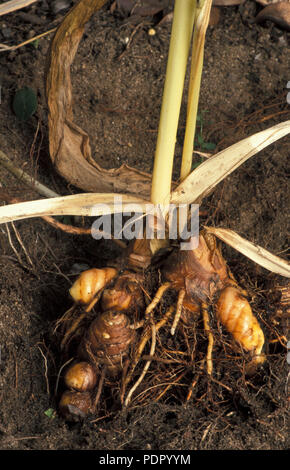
x=147 y=365
x=205 y=315
x=158 y=296
x=143 y=343
x=178 y=311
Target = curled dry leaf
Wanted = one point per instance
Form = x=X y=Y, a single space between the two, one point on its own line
x=255 y=252
x=69 y=145
x=278 y=13
x=207 y=175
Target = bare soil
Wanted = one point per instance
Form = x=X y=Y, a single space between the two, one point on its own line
x=118 y=76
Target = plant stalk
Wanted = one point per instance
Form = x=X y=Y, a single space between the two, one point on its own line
x=201 y=23
x=183 y=20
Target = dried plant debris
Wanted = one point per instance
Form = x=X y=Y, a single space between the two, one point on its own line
x=227 y=3
x=254 y=252
x=141 y=7
x=278 y=13
x=207 y=175
x=13 y=5
x=69 y=145
x=269 y=2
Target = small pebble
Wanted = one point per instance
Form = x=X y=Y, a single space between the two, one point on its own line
x=282 y=41
x=6 y=33
x=214 y=16
x=59 y=5
x=31 y=34
x=124 y=40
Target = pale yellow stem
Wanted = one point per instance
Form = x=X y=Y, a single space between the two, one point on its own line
x=201 y=23
x=183 y=19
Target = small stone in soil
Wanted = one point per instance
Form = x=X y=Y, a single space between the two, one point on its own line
x=6 y=33
x=59 y=5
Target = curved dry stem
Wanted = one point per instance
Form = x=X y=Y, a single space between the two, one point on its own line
x=69 y=145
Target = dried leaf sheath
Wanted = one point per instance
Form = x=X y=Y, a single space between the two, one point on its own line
x=86 y=204
x=206 y=176
x=13 y=5
x=69 y=145
x=254 y=252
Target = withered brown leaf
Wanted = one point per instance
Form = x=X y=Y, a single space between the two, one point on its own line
x=69 y=145
x=278 y=13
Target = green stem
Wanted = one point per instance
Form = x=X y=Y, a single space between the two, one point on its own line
x=202 y=19
x=183 y=19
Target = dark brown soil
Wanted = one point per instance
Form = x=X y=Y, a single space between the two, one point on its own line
x=117 y=97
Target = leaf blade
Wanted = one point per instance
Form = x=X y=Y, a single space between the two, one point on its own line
x=211 y=172
x=14 y=5
x=85 y=204
x=254 y=252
